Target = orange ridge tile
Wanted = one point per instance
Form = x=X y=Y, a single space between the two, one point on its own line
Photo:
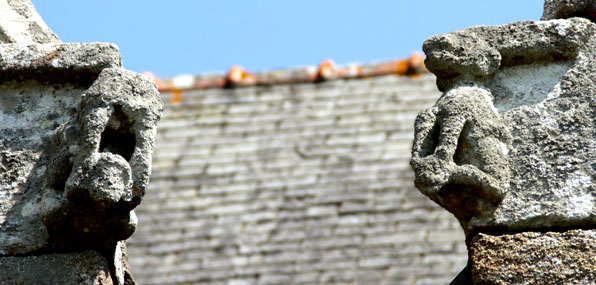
x=237 y=76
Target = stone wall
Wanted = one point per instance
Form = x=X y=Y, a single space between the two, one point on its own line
x=293 y=184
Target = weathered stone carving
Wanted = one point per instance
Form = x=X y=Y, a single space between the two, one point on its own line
x=75 y=158
x=510 y=147
x=75 y=149
x=106 y=156
x=460 y=153
x=511 y=144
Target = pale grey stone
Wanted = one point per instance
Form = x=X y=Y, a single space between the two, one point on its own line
x=86 y=160
x=511 y=144
x=21 y=24
x=62 y=59
x=76 y=139
x=475 y=55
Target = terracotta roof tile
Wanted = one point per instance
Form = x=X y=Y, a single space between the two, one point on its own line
x=237 y=76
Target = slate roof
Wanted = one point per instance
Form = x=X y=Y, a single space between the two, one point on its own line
x=292 y=182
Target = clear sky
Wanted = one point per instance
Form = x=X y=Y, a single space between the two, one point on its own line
x=176 y=37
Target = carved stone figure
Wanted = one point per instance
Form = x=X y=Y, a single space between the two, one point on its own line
x=511 y=144
x=76 y=138
x=510 y=147
x=460 y=153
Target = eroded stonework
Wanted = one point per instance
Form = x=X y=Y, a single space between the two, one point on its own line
x=21 y=24
x=65 y=141
x=534 y=258
x=562 y=9
x=76 y=138
x=511 y=144
x=87 y=267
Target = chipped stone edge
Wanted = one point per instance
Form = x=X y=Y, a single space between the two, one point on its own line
x=71 y=56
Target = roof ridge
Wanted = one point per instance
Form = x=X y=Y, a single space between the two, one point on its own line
x=237 y=76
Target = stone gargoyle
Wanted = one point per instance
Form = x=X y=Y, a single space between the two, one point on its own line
x=511 y=143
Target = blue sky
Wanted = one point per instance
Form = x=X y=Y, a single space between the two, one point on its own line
x=196 y=37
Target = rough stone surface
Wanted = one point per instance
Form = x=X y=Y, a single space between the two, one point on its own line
x=75 y=159
x=76 y=138
x=21 y=24
x=535 y=258
x=511 y=143
x=293 y=184
x=53 y=58
x=562 y=9
x=88 y=267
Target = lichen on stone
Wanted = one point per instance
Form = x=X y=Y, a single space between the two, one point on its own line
x=514 y=125
x=76 y=139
